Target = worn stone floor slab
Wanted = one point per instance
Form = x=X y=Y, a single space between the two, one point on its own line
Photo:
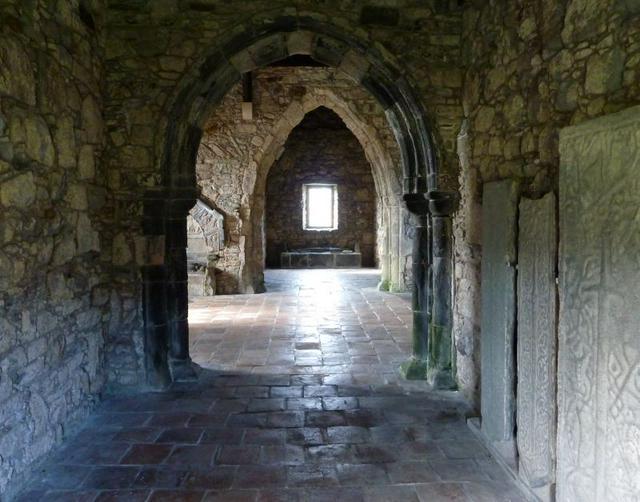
x=299 y=399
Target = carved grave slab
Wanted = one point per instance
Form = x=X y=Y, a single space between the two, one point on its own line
x=599 y=322
x=536 y=343
x=499 y=224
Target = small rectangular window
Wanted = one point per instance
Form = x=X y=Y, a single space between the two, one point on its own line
x=320 y=207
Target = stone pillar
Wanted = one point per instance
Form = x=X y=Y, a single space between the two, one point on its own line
x=385 y=248
x=416 y=367
x=154 y=293
x=154 y=280
x=441 y=373
x=177 y=287
x=395 y=228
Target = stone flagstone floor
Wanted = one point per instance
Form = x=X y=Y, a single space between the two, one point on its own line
x=299 y=400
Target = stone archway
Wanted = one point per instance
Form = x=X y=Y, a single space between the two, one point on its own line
x=200 y=89
x=385 y=179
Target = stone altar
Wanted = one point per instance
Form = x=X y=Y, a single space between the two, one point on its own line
x=321 y=258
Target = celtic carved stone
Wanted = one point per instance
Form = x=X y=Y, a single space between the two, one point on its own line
x=599 y=340
x=536 y=342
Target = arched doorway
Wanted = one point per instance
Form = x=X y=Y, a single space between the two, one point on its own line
x=236 y=153
x=386 y=179
x=166 y=208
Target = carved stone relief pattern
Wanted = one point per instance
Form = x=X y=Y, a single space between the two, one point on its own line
x=536 y=340
x=599 y=343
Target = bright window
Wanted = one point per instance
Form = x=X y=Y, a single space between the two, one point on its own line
x=320 y=206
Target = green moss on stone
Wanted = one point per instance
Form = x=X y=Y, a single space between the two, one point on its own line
x=383 y=285
x=414 y=369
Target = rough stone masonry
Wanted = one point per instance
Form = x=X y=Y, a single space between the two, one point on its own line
x=56 y=298
x=237 y=155
x=88 y=91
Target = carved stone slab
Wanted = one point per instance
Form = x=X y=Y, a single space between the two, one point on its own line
x=499 y=223
x=599 y=330
x=536 y=341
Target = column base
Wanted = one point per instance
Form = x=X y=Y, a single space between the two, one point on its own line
x=383 y=285
x=441 y=373
x=159 y=377
x=396 y=288
x=182 y=370
x=414 y=369
x=441 y=379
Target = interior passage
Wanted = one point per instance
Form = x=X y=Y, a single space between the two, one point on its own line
x=299 y=399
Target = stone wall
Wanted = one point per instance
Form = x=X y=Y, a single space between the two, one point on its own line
x=336 y=157
x=54 y=292
x=531 y=68
x=236 y=155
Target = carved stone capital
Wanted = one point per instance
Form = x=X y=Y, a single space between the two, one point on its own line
x=416 y=203
x=442 y=203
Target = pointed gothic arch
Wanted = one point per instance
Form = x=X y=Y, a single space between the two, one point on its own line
x=202 y=87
